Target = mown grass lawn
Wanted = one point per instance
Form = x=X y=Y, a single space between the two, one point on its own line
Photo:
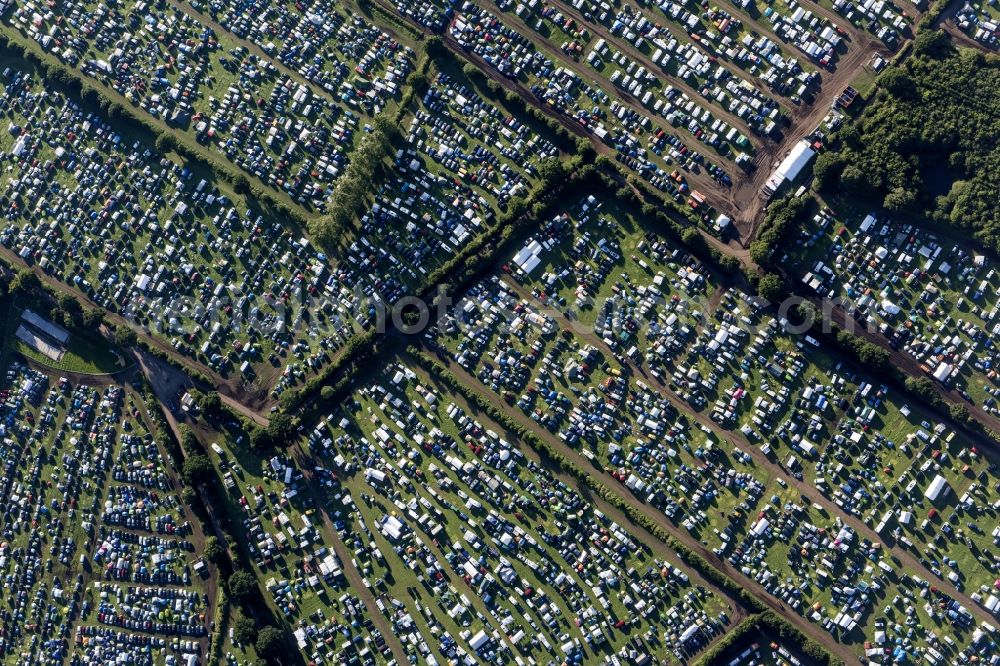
x=84 y=354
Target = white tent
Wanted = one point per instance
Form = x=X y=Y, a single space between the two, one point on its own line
x=479 y=640
x=938 y=487
x=942 y=372
x=790 y=168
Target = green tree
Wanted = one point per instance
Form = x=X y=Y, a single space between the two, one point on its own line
x=960 y=414
x=932 y=44
x=898 y=83
x=900 y=199
x=197 y=468
x=771 y=288
x=827 y=170
x=93 y=319
x=923 y=388
x=729 y=264
x=165 y=143
x=435 y=47
x=855 y=180
x=244 y=630
x=270 y=642
x=281 y=429
x=214 y=552
x=807 y=312
x=125 y=337
x=419 y=83
x=188 y=440
x=71 y=309
x=874 y=357
x=210 y=405
x=242 y=585
x=551 y=170
x=760 y=252
x=693 y=238
x=25 y=283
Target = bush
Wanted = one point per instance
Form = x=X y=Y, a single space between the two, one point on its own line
x=214 y=552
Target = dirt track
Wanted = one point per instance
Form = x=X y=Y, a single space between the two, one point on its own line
x=741 y=200
x=946 y=22
x=805 y=119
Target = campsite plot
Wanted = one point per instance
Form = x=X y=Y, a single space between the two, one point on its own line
x=735 y=365
x=885 y=20
x=505 y=549
x=923 y=486
x=979 y=21
x=464 y=159
x=642 y=143
x=329 y=45
x=293 y=555
x=933 y=298
x=294 y=136
x=80 y=461
x=86 y=204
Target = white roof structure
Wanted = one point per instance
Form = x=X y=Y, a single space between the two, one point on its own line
x=479 y=640
x=689 y=632
x=938 y=486
x=792 y=165
x=943 y=371
x=790 y=168
x=55 y=331
x=760 y=526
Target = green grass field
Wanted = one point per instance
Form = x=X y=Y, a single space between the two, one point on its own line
x=85 y=353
